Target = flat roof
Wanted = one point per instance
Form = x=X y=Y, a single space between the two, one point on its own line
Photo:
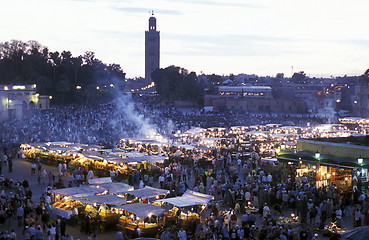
x=339 y=144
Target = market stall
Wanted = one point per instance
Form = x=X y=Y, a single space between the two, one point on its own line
x=63 y=203
x=101 y=207
x=140 y=215
x=146 y=193
x=109 y=186
x=187 y=207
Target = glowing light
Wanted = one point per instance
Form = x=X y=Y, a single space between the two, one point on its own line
x=97 y=88
x=360 y=160
x=334 y=173
x=317 y=155
x=328 y=175
x=338 y=100
x=111 y=85
x=78 y=87
x=19 y=87
x=292 y=215
x=50 y=97
x=346 y=178
x=6 y=88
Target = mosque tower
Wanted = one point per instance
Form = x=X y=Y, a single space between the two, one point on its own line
x=152 y=49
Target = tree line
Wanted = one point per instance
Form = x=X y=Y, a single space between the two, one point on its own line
x=84 y=79
x=174 y=83
x=69 y=80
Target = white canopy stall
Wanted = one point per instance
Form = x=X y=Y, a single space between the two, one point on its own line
x=148 y=192
x=189 y=198
x=142 y=210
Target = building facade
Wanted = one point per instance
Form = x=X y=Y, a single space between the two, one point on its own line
x=19 y=101
x=152 y=49
x=252 y=99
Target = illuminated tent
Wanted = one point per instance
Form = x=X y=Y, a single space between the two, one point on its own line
x=189 y=198
x=142 y=210
x=147 y=192
x=100 y=199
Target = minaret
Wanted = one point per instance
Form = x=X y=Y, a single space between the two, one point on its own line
x=152 y=49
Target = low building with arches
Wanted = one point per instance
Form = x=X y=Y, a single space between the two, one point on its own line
x=18 y=101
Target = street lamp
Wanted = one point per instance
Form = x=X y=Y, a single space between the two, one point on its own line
x=317 y=155
x=360 y=160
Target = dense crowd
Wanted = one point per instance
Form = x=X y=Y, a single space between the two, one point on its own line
x=107 y=123
x=251 y=196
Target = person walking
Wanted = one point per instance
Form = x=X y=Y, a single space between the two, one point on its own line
x=357 y=217
x=20 y=214
x=10 y=164
x=39 y=235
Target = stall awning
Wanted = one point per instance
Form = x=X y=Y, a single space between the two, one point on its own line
x=100 y=199
x=86 y=190
x=117 y=187
x=147 y=192
x=150 y=158
x=142 y=210
x=100 y=180
x=189 y=198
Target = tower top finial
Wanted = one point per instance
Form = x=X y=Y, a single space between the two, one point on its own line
x=152 y=12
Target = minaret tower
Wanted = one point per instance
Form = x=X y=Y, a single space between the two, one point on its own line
x=152 y=48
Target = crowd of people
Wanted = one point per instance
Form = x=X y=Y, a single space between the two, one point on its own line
x=237 y=183
x=107 y=123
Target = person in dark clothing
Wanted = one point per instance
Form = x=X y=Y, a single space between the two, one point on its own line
x=10 y=164
x=88 y=223
x=63 y=226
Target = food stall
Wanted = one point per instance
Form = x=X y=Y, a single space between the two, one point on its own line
x=140 y=215
x=145 y=194
x=109 y=186
x=64 y=205
x=190 y=206
x=102 y=207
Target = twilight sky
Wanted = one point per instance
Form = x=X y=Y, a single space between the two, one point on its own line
x=263 y=37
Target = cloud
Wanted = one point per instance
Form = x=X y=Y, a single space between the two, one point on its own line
x=227 y=3
x=357 y=42
x=146 y=10
x=233 y=45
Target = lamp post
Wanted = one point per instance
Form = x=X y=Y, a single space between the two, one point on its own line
x=317 y=155
x=360 y=160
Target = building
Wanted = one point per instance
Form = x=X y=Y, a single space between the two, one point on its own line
x=342 y=161
x=19 y=101
x=246 y=91
x=252 y=99
x=152 y=49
